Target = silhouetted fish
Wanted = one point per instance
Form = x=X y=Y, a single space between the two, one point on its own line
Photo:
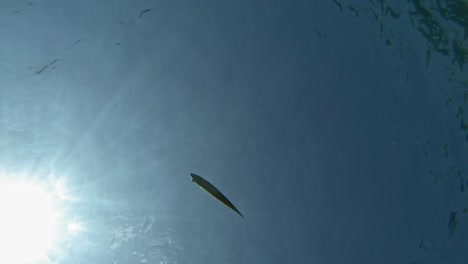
x=144 y=11
x=207 y=186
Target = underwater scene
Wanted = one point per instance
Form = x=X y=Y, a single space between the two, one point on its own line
x=233 y=131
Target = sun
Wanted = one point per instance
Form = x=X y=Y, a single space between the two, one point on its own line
x=28 y=222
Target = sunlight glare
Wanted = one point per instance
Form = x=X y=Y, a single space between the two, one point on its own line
x=75 y=228
x=28 y=222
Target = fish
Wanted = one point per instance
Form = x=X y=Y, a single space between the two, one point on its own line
x=42 y=69
x=207 y=186
x=45 y=67
x=144 y=11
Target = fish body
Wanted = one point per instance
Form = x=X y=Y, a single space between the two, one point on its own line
x=207 y=186
x=144 y=11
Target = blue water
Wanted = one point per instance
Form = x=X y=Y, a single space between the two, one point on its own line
x=338 y=129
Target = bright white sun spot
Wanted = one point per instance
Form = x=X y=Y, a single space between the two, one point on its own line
x=63 y=192
x=28 y=222
x=75 y=228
